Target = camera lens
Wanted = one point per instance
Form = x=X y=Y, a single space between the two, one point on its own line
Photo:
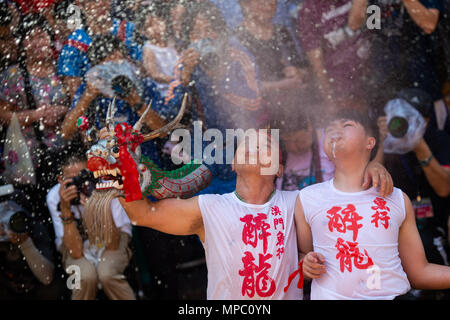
x=398 y=127
x=18 y=222
x=122 y=86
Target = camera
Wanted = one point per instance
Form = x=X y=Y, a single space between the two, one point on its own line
x=208 y=50
x=85 y=184
x=406 y=127
x=122 y=86
x=399 y=125
x=13 y=218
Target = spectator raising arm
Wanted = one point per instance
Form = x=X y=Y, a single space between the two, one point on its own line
x=69 y=126
x=357 y=15
x=49 y=115
x=426 y=19
x=72 y=84
x=315 y=58
x=41 y=267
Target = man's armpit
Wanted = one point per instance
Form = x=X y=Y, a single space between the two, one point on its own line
x=196 y=225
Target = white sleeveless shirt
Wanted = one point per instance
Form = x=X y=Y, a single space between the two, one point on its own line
x=250 y=249
x=357 y=233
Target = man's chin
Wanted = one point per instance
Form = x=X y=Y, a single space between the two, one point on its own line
x=256 y=169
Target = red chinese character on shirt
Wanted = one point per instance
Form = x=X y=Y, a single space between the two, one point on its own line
x=347 y=221
x=253 y=226
x=280 y=238
x=278 y=221
x=275 y=211
x=263 y=285
x=280 y=252
x=348 y=252
x=280 y=244
x=381 y=214
x=249 y=232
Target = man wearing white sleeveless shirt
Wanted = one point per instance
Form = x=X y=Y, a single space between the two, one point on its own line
x=249 y=235
x=361 y=245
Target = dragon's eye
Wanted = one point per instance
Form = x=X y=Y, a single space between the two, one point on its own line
x=115 y=151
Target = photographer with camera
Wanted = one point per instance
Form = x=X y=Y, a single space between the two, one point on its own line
x=423 y=172
x=26 y=252
x=98 y=265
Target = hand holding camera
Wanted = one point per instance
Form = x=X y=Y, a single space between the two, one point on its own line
x=74 y=191
x=68 y=192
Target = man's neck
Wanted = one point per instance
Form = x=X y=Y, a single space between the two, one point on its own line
x=254 y=189
x=349 y=176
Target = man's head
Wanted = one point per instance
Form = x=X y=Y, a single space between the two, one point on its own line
x=72 y=166
x=203 y=20
x=153 y=20
x=258 y=153
x=262 y=11
x=350 y=133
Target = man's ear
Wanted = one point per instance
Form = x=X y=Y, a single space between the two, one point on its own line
x=371 y=142
x=60 y=178
x=280 y=171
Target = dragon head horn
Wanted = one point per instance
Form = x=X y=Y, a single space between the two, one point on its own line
x=138 y=125
x=171 y=125
x=110 y=115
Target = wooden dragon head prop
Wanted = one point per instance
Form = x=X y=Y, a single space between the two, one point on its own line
x=116 y=160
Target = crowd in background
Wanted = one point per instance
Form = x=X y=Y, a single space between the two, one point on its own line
x=245 y=64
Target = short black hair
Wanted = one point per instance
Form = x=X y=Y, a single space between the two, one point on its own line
x=210 y=12
x=71 y=159
x=359 y=116
x=104 y=45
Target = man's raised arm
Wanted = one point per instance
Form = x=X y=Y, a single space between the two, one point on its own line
x=173 y=216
